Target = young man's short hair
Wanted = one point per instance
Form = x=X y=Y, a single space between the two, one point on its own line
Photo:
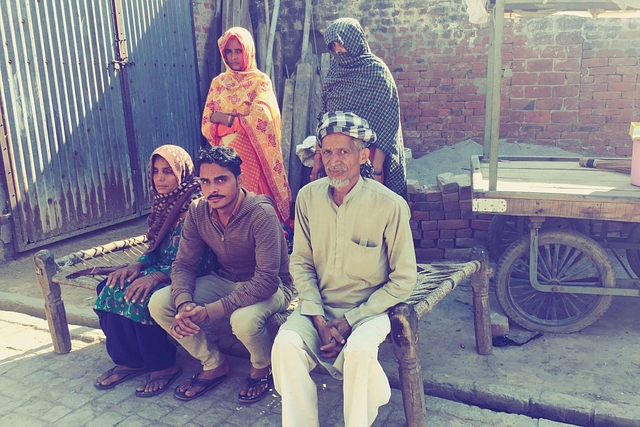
x=222 y=156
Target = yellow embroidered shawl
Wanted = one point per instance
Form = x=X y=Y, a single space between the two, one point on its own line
x=248 y=95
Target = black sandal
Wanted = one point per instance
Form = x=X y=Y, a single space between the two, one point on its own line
x=195 y=381
x=254 y=382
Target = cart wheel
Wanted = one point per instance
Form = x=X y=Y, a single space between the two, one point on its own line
x=633 y=255
x=505 y=229
x=565 y=257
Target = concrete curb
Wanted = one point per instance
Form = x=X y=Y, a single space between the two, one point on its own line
x=35 y=307
x=548 y=405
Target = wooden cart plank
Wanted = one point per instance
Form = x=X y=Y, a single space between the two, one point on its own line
x=563 y=178
x=555 y=187
x=629 y=212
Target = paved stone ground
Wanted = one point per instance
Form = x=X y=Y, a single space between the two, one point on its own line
x=587 y=378
x=41 y=388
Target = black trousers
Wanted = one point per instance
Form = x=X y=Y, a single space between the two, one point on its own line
x=136 y=345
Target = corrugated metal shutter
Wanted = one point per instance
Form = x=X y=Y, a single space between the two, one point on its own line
x=71 y=165
x=163 y=80
x=69 y=168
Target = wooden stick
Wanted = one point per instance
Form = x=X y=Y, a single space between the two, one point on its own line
x=272 y=36
x=287 y=121
x=304 y=76
x=305 y=30
x=406 y=349
x=53 y=305
x=481 y=311
x=616 y=165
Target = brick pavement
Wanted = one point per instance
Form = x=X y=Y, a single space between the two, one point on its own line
x=41 y=388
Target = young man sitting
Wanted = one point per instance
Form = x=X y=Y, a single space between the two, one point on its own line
x=251 y=284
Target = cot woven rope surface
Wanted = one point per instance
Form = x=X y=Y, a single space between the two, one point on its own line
x=115 y=253
x=435 y=280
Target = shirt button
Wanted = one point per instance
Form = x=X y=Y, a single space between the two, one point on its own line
x=340 y=216
x=339 y=234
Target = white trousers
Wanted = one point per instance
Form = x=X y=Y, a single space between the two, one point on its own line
x=365 y=385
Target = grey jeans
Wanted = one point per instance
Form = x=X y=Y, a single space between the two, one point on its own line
x=247 y=323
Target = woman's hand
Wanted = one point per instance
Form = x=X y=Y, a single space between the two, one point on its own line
x=139 y=289
x=378 y=164
x=123 y=274
x=318 y=168
x=219 y=117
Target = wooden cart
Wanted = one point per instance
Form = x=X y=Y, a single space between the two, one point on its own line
x=560 y=278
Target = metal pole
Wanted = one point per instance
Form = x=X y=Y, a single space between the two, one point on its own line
x=498 y=16
x=486 y=145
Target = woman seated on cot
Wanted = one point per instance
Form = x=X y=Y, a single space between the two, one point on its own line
x=135 y=343
x=242 y=112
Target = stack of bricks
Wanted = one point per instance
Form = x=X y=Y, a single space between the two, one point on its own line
x=443 y=223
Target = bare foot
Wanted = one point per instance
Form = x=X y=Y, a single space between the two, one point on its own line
x=154 y=382
x=116 y=374
x=256 y=373
x=204 y=375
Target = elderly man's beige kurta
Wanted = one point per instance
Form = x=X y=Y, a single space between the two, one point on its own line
x=355 y=260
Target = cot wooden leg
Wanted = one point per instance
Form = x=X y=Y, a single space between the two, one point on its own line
x=404 y=334
x=53 y=305
x=481 y=311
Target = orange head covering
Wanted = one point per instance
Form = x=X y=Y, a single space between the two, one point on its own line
x=248 y=47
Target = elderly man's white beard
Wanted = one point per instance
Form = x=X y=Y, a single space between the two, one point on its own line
x=336 y=183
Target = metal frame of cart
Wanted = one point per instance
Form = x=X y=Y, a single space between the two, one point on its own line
x=558 y=279
x=576 y=272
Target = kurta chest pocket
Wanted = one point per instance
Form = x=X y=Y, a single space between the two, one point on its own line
x=362 y=261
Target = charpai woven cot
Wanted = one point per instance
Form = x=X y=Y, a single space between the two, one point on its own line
x=434 y=282
x=95 y=263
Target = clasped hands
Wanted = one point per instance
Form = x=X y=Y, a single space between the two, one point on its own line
x=333 y=335
x=187 y=320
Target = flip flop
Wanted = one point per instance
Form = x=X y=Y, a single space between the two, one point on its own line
x=195 y=381
x=128 y=374
x=148 y=379
x=253 y=382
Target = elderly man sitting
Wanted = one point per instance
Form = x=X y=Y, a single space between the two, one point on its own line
x=353 y=259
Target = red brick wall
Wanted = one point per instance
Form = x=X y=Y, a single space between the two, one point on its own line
x=565 y=84
x=569 y=82
x=574 y=83
x=206 y=47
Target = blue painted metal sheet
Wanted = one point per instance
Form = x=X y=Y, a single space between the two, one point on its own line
x=70 y=164
x=162 y=81
x=68 y=168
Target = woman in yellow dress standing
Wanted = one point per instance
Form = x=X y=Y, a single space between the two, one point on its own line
x=242 y=112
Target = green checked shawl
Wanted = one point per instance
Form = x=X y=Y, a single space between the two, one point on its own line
x=360 y=82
